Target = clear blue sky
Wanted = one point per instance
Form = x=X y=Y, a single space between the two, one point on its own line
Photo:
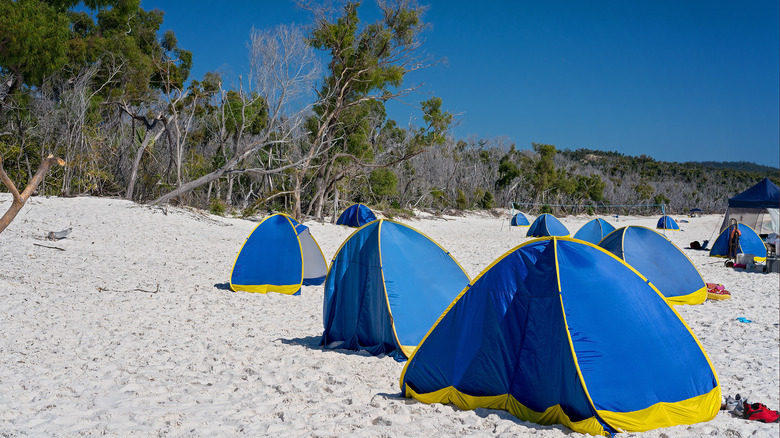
x=676 y=80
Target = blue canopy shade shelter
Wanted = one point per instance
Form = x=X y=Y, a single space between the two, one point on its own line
x=758 y=207
x=547 y=225
x=385 y=288
x=280 y=255
x=594 y=231
x=660 y=261
x=356 y=215
x=519 y=220
x=558 y=330
x=667 y=223
x=746 y=242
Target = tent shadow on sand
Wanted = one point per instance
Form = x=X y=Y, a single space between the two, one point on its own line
x=313 y=343
x=310 y=342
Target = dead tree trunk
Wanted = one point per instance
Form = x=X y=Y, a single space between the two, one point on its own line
x=20 y=199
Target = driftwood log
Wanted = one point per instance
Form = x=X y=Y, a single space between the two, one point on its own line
x=21 y=198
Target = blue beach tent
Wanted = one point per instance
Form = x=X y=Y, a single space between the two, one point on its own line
x=547 y=225
x=748 y=243
x=280 y=255
x=356 y=215
x=559 y=331
x=594 y=231
x=386 y=286
x=519 y=220
x=667 y=223
x=660 y=261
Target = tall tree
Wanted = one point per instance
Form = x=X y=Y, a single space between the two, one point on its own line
x=283 y=68
x=367 y=64
x=33 y=37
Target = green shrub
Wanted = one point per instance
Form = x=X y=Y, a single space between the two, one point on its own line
x=217 y=207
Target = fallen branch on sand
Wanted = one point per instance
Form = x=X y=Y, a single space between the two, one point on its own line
x=47 y=246
x=103 y=289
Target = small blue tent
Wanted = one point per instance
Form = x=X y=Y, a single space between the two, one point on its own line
x=560 y=331
x=748 y=242
x=547 y=225
x=519 y=220
x=667 y=223
x=279 y=255
x=356 y=215
x=386 y=286
x=594 y=231
x=660 y=261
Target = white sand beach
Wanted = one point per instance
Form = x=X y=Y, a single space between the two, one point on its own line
x=129 y=329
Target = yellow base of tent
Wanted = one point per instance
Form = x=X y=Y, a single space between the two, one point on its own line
x=552 y=415
x=265 y=288
x=694 y=410
x=697 y=297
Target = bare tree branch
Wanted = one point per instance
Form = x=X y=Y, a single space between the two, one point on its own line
x=19 y=199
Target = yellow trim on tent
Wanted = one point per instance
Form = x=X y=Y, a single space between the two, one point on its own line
x=566 y=321
x=230 y=277
x=555 y=415
x=740 y=224
x=457 y=298
x=300 y=246
x=703 y=351
x=712 y=397
x=265 y=288
x=552 y=415
x=407 y=350
x=694 y=297
x=321 y=253
x=548 y=230
x=437 y=244
x=666 y=414
x=590 y=425
x=384 y=288
x=357 y=203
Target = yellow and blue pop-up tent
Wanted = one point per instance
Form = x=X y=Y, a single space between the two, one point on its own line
x=661 y=261
x=280 y=255
x=594 y=231
x=356 y=215
x=547 y=225
x=519 y=220
x=560 y=331
x=386 y=286
x=667 y=223
x=747 y=241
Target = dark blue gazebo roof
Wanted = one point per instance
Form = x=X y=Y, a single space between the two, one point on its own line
x=765 y=194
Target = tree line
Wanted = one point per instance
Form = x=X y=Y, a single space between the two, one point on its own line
x=304 y=131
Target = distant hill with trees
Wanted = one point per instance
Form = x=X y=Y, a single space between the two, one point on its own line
x=743 y=166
